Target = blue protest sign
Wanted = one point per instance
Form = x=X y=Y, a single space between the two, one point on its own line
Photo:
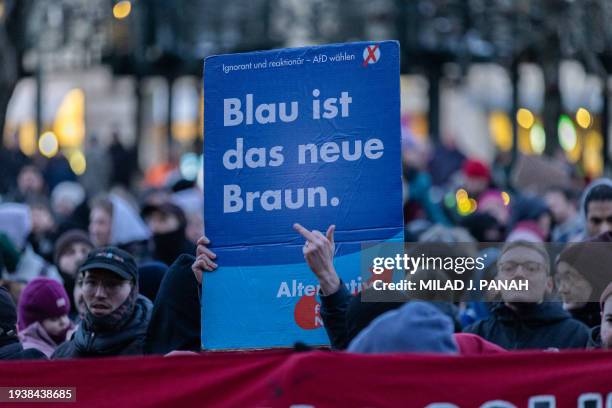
x=308 y=135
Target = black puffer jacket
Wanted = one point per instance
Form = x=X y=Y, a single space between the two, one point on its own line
x=123 y=341
x=537 y=326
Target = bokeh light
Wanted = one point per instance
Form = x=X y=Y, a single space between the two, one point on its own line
x=48 y=145
x=525 y=118
x=122 y=9
x=583 y=118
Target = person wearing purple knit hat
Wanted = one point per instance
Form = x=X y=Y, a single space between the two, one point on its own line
x=42 y=316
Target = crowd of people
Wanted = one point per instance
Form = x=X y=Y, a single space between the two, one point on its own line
x=92 y=273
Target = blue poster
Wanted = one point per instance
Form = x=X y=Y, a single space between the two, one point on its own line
x=307 y=135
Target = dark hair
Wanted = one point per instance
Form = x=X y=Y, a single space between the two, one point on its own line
x=568 y=193
x=102 y=201
x=601 y=192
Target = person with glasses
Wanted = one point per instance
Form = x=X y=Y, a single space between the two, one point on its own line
x=526 y=318
x=116 y=316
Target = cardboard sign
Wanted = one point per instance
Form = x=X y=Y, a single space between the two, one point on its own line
x=308 y=135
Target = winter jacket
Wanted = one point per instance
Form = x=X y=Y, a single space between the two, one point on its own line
x=125 y=340
x=538 y=326
x=175 y=324
x=36 y=337
x=594 y=338
x=589 y=314
x=14 y=351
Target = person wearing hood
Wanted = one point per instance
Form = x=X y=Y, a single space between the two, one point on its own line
x=44 y=229
x=525 y=319
x=568 y=224
x=69 y=204
x=176 y=324
x=114 y=222
x=10 y=347
x=43 y=321
x=117 y=317
x=532 y=209
x=16 y=224
x=416 y=327
x=167 y=222
x=71 y=250
x=150 y=276
x=596 y=207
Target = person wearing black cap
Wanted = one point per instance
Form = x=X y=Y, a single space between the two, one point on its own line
x=168 y=224
x=117 y=317
x=10 y=347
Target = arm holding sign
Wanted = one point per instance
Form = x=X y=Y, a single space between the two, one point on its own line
x=319 y=254
x=204 y=259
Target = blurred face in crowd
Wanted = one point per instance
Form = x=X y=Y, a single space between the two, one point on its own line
x=42 y=220
x=522 y=263
x=104 y=291
x=77 y=294
x=63 y=207
x=573 y=287
x=545 y=224
x=606 y=325
x=599 y=217
x=30 y=181
x=561 y=208
x=161 y=223
x=195 y=226
x=476 y=185
x=100 y=226
x=73 y=257
x=56 y=326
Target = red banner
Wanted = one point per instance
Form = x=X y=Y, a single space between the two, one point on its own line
x=320 y=379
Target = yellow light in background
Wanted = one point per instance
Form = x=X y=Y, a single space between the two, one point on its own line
x=27 y=138
x=593 y=141
x=77 y=162
x=525 y=118
x=2 y=10
x=537 y=138
x=184 y=131
x=464 y=207
x=524 y=144
x=419 y=125
x=500 y=128
x=473 y=205
x=583 y=118
x=47 y=144
x=69 y=124
x=592 y=154
x=506 y=197
x=122 y=9
x=461 y=195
